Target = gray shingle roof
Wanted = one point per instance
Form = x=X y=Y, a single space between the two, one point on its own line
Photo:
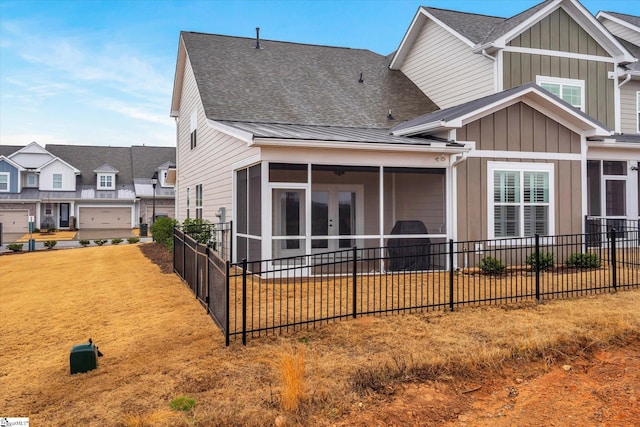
x=461 y=110
x=481 y=29
x=7 y=150
x=130 y=162
x=146 y=159
x=631 y=19
x=299 y=83
x=474 y=27
x=89 y=158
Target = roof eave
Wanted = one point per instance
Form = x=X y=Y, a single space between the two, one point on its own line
x=297 y=143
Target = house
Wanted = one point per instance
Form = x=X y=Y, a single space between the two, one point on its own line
x=478 y=127
x=84 y=187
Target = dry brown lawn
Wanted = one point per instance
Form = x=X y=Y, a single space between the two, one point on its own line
x=159 y=344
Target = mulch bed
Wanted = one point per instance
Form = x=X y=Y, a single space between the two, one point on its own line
x=159 y=255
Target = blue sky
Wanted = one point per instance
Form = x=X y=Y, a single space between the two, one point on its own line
x=92 y=72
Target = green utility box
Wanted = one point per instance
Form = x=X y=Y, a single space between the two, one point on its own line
x=83 y=358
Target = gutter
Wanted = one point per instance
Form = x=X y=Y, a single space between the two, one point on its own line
x=625 y=80
x=420 y=128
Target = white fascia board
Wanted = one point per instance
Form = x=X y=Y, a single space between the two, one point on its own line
x=178 y=79
x=232 y=131
x=576 y=122
x=617 y=20
x=272 y=142
x=412 y=33
x=595 y=28
x=614 y=145
x=12 y=163
x=76 y=171
x=502 y=41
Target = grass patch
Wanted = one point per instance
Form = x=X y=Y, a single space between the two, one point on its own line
x=182 y=403
x=159 y=343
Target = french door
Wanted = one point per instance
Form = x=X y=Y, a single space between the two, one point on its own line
x=336 y=210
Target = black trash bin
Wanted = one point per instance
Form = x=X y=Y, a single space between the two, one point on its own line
x=144 y=230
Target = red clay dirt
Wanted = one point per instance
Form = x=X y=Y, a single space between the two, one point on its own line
x=600 y=389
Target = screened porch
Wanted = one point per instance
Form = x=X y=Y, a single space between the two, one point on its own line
x=289 y=210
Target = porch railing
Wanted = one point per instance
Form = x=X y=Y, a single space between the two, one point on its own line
x=254 y=298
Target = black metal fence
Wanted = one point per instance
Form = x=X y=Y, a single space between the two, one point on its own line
x=254 y=298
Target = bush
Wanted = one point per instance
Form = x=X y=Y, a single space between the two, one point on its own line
x=199 y=230
x=100 y=242
x=84 y=243
x=15 y=247
x=491 y=265
x=133 y=240
x=52 y=230
x=162 y=231
x=116 y=241
x=50 y=244
x=583 y=260
x=546 y=261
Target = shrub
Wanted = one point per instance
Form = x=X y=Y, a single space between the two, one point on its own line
x=50 y=244
x=116 y=241
x=133 y=240
x=546 y=261
x=15 y=247
x=162 y=231
x=491 y=265
x=200 y=230
x=182 y=403
x=100 y=242
x=36 y=230
x=51 y=230
x=583 y=260
x=84 y=243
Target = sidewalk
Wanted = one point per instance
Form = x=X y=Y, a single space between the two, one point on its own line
x=69 y=239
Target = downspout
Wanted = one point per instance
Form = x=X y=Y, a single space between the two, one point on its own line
x=624 y=81
x=495 y=68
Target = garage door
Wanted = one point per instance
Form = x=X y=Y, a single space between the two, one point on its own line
x=104 y=218
x=14 y=221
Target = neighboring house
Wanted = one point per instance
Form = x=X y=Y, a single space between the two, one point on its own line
x=479 y=127
x=90 y=187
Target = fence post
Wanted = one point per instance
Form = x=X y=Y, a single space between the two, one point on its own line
x=244 y=301
x=537 y=267
x=451 y=272
x=230 y=256
x=226 y=304
x=614 y=273
x=354 y=278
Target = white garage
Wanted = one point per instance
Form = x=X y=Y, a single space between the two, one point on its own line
x=14 y=221
x=104 y=218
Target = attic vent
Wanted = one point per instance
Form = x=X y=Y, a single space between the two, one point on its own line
x=258 y=38
x=389 y=116
x=360 y=80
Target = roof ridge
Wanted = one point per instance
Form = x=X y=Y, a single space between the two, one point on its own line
x=280 y=41
x=464 y=13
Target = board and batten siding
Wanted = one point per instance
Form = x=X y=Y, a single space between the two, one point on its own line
x=629 y=107
x=517 y=128
x=559 y=32
x=445 y=69
x=210 y=163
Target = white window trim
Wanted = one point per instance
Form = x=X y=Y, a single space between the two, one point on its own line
x=53 y=183
x=518 y=167
x=562 y=81
x=199 y=208
x=8 y=175
x=35 y=180
x=107 y=187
